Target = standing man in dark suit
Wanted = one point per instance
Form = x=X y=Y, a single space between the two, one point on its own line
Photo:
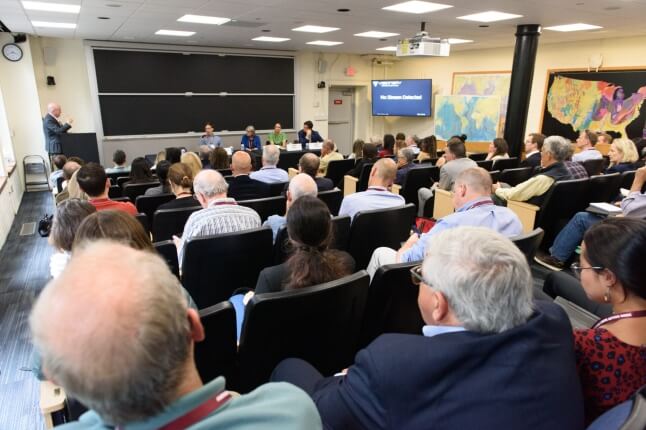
x=533 y=145
x=489 y=357
x=242 y=187
x=54 y=127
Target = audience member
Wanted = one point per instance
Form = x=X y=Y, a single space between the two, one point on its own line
x=369 y=156
x=576 y=170
x=220 y=214
x=604 y=138
x=277 y=137
x=405 y=158
x=307 y=134
x=498 y=149
x=357 y=149
x=209 y=138
x=585 y=142
x=428 y=150
x=533 y=145
x=452 y=163
x=486 y=352
x=173 y=155
x=67 y=219
x=328 y=153
x=180 y=179
x=309 y=164
x=161 y=156
x=114 y=225
x=377 y=195
x=59 y=161
x=219 y=159
x=192 y=161
x=473 y=207
x=72 y=190
x=300 y=185
x=569 y=238
x=413 y=142
x=95 y=183
x=149 y=379
x=250 y=141
x=269 y=173
x=389 y=146
x=69 y=168
x=205 y=156
x=555 y=151
x=139 y=172
x=78 y=160
x=119 y=160
x=242 y=186
x=162 y=174
x=623 y=156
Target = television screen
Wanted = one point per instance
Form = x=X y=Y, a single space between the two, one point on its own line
x=406 y=97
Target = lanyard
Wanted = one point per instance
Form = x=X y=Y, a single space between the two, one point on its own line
x=621 y=316
x=377 y=189
x=201 y=411
x=481 y=203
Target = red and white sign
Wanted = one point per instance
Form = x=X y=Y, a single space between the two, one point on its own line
x=338 y=101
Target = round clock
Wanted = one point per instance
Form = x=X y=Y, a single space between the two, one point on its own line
x=12 y=52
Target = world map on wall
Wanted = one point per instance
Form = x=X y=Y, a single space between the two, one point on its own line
x=475 y=116
x=485 y=84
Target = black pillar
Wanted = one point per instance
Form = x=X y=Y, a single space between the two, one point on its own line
x=520 y=88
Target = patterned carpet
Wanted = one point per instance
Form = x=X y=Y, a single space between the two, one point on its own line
x=24 y=272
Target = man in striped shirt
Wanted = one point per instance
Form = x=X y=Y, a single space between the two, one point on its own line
x=219 y=215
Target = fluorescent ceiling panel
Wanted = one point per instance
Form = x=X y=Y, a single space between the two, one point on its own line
x=203 y=19
x=270 y=39
x=324 y=43
x=489 y=16
x=376 y=34
x=47 y=24
x=388 y=48
x=174 y=33
x=573 y=27
x=51 y=7
x=417 y=7
x=315 y=29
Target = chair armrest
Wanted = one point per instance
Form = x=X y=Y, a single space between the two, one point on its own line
x=349 y=185
x=443 y=204
x=526 y=212
x=52 y=399
x=291 y=172
x=395 y=189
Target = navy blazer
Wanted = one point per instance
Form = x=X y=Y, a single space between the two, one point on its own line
x=53 y=130
x=533 y=160
x=244 y=188
x=315 y=137
x=523 y=378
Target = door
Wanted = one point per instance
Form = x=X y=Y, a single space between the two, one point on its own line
x=341 y=118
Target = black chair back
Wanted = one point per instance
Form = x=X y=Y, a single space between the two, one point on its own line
x=216 y=355
x=392 y=303
x=495 y=175
x=122 y=179
x=604 y=188
x=277 y=188
x=149 y=204
x=528 y=243
x=478 y=156
x=169 y=222
x=168 y=252
x=267 y=206
x=320 y=324
x=215 y=266
x=113 y=176
x=337 y=168
x=362 y=185
x=514 y=177
x=132 y=191
x=289 y=159
x=121 y=199
x=486 y=164
x=59 y=184
x=416 y=178
x=380 y=227
x=505 y=163
x=114 y=192
x=627 y=179
x=143 y=220
x=224 y=172
x=332 y=199
x=594 y=167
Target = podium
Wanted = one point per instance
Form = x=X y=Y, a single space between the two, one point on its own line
x=83 y=145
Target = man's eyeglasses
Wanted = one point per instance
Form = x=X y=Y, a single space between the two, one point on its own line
x=577 y=269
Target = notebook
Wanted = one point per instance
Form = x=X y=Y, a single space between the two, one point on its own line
x=605 y=209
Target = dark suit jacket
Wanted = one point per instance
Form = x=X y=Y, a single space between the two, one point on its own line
x=356 y=171
x=53 y=130
x=533 y=160
x=244 y=188
x=324 y=184
x=523 y=378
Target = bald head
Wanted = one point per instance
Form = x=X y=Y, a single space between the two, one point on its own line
x=383 y=173
x=301 y=185
x=240 y=163
x=128 y=338
x=471 y=184
x=54 y=109
x=69 y=168
x=309 y=163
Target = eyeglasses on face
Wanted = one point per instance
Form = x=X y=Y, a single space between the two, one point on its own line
x=577 y=269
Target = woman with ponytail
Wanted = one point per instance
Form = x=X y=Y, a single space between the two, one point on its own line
x=180 y=178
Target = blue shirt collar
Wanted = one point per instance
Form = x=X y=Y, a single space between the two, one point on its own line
x=434 y=330
x=468 y=205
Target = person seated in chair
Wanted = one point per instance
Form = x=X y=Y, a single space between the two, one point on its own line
x=58 y=161
x=119 y=160
x=586 y=142
x=498 y=149
x=309 y=164
x=269 y=173
x=369 y=152
x=243 y=187
x=180 y=178
x=162 y=174
x=69 y=168
x=328 y=153
x=485 y=354
x=139 y=172
x=127 y=353
x=405 y=158
x=377 y=196
x=623 y=156
x=300 y=185
x=533 y=145
x=473 y=207
x=307 y=134
x=95 y=183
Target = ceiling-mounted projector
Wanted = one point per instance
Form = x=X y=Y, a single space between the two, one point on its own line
x=422 y=45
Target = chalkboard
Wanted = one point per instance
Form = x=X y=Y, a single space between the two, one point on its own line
x=143 y=92
x=630 y=80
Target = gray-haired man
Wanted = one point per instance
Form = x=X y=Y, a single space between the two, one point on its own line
x=269 y=173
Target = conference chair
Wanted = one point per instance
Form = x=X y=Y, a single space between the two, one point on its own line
x=289 y=159
x=143 y=220
x=320 y=324
x=150 y=159
x=629 y=415
x=495 y=176
x=149 y=204
x=381 y=227
x=224 y=172
x=267 y=206
x=216 y=354
x=132 y=191
x=604 y=188
x=114 y=176
x=114 y=191
x=478 y=156
x=337 y=168
x=485 y=164
x=528 y=243
x=59 y=184
x=333 y=199
x=627 y=179
x=416 y=178
x=169 y=222
x=215 y=266
x=277 y=188
x=354 y=185
x=514 y=177
x=594 y=167
x=168 y=252
x=391 y=306
x=122 y=180
x=505 y=163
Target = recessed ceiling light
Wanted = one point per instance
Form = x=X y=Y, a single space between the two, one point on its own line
x=46 y=24
x=315 y=29
x=343 y=9
x=103 y=17
x=453 y=41
x=388 y=48
x=417 y=7
x=51 y=7
x=376 y=34
x=265 y=30
x=113 y=5
x=489 y=16
x=270 y=39
x=573 y=27
x=203 y=19
x=324 y=43
x=174 y=33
